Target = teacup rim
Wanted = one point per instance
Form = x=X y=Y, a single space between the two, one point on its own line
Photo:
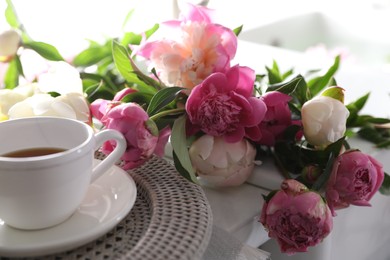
x=42 y=158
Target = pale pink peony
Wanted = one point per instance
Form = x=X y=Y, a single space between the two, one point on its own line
x=296 y=217
x=223 y=105
x=277 y=118
x=221 y=164
x=197 y=48
x=355 y=178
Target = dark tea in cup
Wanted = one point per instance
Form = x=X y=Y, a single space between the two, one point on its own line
x=32 y=152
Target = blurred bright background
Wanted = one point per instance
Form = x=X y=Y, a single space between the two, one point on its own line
x=66 y=24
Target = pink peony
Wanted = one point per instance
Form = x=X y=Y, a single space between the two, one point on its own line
x=223 y=105
x=130 y=119
x=277 y=118
x=355 y=178
x=100 y=107
x=196 y=49
x=296 y=217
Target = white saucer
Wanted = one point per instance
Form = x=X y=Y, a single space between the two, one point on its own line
x=108 y=201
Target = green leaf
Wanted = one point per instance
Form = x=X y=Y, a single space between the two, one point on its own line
x=19 y=65
x=359 y=103
x=131 y=38
x=91 y=56
x=47 y=51
x=335 y=93
x=150 y=82
x=136 y=39
x=54 y=94
x=97 y=91
x=179 y=167
x=296 y=87
x=10 y=15
x=162 y=99
x=323 y=178
x=152 y=127
x=11 y=78
x=238 y=30
x=373 y=135
x=316 y=85
x=377 y=120
x=179 y=145
x=385 y=188
x=141 y=98
x=122 y=62
x=127 y=18
x=274 y=75
x=130 y=73
x=384 y=144
x=335 y=147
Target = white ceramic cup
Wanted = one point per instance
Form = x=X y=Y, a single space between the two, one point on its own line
x=43 y=191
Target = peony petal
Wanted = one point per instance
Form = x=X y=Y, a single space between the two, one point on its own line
x=203 y=146
x=237 y=150
x=235 y=136
x=162 y=141
x=196 y=13
x=255 y=134
x=274 y=98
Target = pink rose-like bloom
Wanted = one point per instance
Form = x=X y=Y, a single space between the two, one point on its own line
x=130 y=119
x=277 y=118
x=355 y=178
x=296 y=217
x=195 y=49
x=223 y=105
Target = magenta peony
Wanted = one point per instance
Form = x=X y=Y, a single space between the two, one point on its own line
x=277 y=118
x=223 y=105
x=355 y=178
x=196 y=48
x=296 y=217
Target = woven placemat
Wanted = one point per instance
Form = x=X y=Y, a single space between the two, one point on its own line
x=171 y=219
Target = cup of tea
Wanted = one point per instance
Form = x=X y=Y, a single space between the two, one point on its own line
x=46 y=167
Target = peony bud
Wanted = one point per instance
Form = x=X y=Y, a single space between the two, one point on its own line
x=324 y=120
x=9 y=45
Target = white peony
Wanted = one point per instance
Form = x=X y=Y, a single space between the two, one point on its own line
x=62 y=78
x=72 y=105
x=218 y=163
x=9 y=97
x=324 y=120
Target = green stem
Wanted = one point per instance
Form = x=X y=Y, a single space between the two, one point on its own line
x=167 y=112
x=279 y=164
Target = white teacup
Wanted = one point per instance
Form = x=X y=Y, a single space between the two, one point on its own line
x=42 y=191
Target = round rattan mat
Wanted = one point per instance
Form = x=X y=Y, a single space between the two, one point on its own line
x=171 y=219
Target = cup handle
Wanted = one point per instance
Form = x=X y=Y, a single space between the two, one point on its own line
x=114 y=156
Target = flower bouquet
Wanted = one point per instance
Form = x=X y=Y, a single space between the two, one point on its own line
x=221 y=118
